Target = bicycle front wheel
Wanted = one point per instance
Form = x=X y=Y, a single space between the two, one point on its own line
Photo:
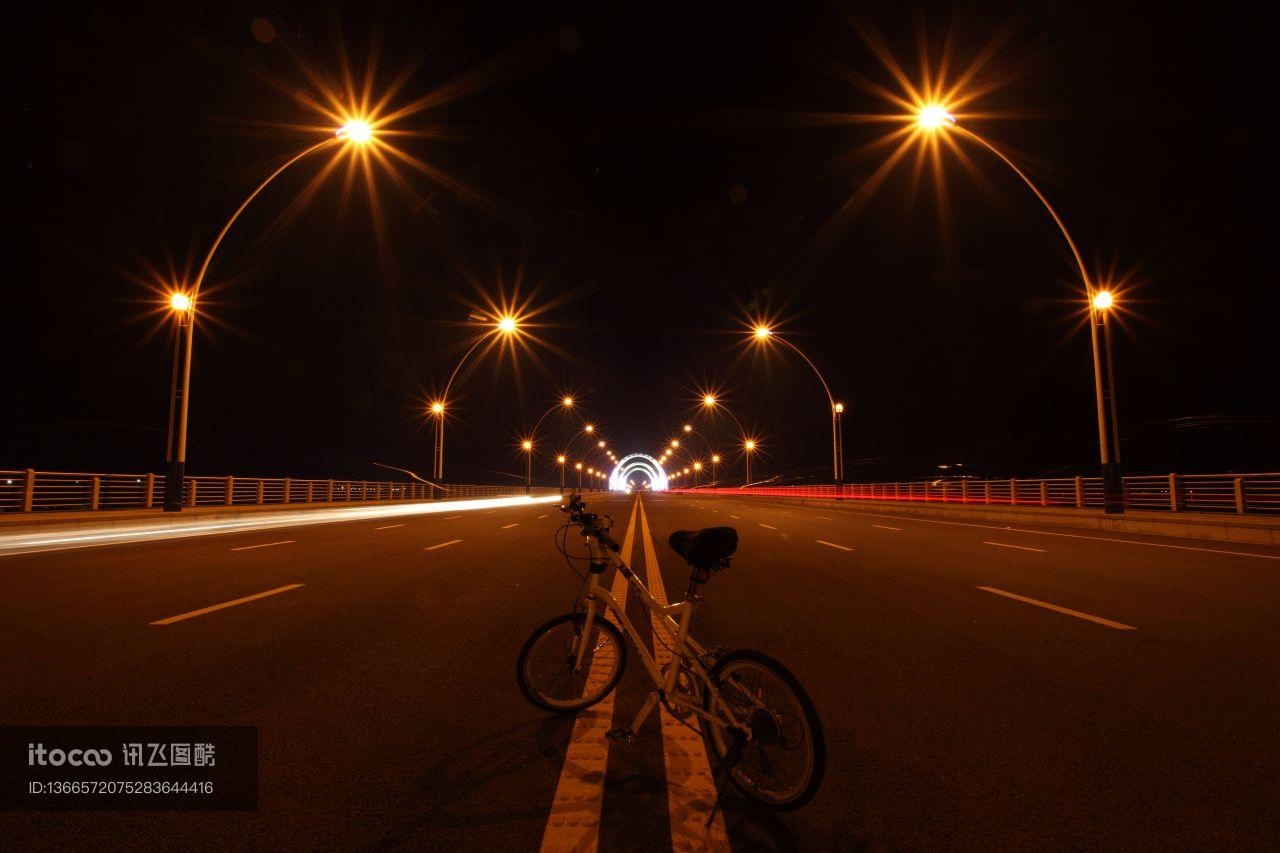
x=546 y=666
x=782 y=764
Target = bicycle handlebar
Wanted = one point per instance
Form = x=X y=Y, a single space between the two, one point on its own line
x=589 y=522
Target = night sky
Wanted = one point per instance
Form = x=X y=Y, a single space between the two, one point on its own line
x=653 y=169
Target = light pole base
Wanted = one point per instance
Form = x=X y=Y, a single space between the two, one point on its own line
x=174 y=475
x=1112 y=489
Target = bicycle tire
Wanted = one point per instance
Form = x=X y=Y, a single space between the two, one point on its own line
x=814 y=743
x=590 y=692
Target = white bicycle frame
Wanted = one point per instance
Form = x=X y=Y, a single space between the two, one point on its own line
x=664 y=681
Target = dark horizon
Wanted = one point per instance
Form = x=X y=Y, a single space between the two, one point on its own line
x=654 y=173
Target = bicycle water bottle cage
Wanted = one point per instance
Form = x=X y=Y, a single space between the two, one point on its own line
x=707 y=550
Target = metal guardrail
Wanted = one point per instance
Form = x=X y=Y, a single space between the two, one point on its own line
x=1242 y=494
x=57 y=491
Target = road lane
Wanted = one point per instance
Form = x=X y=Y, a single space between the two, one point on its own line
x=955 y=717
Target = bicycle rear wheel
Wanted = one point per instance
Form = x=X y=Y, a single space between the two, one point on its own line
x=782 y=765
x=545 y=668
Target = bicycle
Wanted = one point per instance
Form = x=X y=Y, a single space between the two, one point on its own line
x=758 y=721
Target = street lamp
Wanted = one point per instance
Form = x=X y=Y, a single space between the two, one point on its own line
x=355 y=132
x=697 y=472
x=935 y=118
x=579 y=467
x=715 y=462
x=560 y=460
x=748 y=447
x=763 y=334
x=527 y=446
x=506 y=325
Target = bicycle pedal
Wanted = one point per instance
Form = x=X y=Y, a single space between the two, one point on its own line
x=623 y=733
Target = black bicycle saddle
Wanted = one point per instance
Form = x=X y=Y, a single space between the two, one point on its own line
x=704 y=547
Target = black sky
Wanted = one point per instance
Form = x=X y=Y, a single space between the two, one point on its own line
x=655 y=176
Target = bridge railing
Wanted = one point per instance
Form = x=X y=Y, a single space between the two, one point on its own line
x=60 y=491
x=1243 y=494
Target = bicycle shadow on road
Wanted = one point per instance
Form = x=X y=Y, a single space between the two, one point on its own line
x=489 y=782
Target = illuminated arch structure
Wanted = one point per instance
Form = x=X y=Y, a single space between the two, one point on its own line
x=638 y=463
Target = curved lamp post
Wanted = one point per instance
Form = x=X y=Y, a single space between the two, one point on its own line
x=764 y=334
x=504 y=326
x=355 y=132
x=934 y=118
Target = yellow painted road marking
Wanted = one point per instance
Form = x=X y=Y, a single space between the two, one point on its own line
x=1018 y=547
x=265 y=545
x=574 y=822
x=509 y=526
x=887 y=527
x=691 y=789
x=388 y=526
x=770 y=526
x=832 y=544
x=1120 y=626
x=224 y=605
x=442 y=545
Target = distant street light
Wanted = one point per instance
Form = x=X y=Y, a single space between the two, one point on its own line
x=560 y=460
x=527 y=445
x=748 y=447
x=935 y=119
x=184 y=304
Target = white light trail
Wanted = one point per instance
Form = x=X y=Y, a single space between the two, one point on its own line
x=12 y=545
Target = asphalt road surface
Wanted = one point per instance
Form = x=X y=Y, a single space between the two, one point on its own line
x=981 y=687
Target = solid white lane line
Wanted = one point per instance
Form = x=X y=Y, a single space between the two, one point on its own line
x=265 y=545
x=832 y=544
x=388 y=526
x=1018 y=547
x=224 y=605
x=691 y=788
x=1119 y=626
x=823 y=517
x=542 y=517
x=770 y=526
x=731 y=515
x=442 y=545
x=574 y=822
x=509 y=526
x=451 y=517
x=887 y=527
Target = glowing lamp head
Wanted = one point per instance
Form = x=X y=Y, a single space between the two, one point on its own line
x=589 y=428
x=697 y=466
x=600 y=444
x=567 y=402
x=527 y=444
x=839 y=408
x=709 y=400
x=561 y=459
x=507 y=325
x=357 y=131
x=934 y=116
x=578 y=466
x=179 y=301
x=688 y=428
x=1102 y=300
x=762 y=332
x=437 y=408
x=715 y=458
x=748 y=445
x=675 y=443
